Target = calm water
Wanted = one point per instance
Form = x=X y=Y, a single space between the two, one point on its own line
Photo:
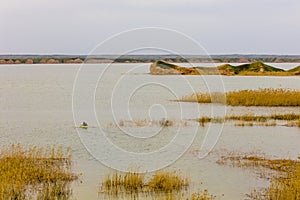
x=36 y=108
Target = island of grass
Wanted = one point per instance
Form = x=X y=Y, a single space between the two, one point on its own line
x=251 y=69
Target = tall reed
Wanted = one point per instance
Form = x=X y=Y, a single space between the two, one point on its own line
x=261 y=97
x=34 y=171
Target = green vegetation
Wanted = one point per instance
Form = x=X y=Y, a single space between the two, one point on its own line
x=295 y=70
x=261 y=97
x=257 y=67
x=161 y=67
x=284 y=184
x=42 y=173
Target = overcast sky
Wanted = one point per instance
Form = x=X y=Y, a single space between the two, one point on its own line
x=220 y=26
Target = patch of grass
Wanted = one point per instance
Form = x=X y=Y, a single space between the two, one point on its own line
x=35 y=172
x=251 y=120
x=261 y=97
x=214 y=97
x=284 y=184
x=130 y=182
x=278 y=73
x=167 y=185
x=244 y=124
x=291 y=116
x=204 y=120
x=164 y=181
x=247 y=118
x=166 y=122
x=202 y=196
x=146 y=122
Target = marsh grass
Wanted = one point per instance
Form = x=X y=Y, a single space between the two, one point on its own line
x=164 y=181
x=131 y=182
x=254 y=120
x=35 y=173
x=247 y=118
x=288 y=117
x=163 y=185
x=146 y=122
x=285 y=184
x=202 y=196
x=131 y=185
x=261 y=97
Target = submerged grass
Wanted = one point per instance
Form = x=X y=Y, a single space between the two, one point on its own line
x=34 y=172
x=251 y=120
x=261 y=97
x=133 y=182
x=163 y=185
x=202 y=196
x=285 y=184
x=145 y=122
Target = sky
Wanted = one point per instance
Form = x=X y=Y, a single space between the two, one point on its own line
x=220 y=26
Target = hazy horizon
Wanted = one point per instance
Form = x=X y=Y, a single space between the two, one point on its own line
x=221 y=27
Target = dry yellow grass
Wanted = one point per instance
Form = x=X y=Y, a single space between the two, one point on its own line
x=33 y=171
x=164 y=181
x=163 y=185
x=284 y=73
x=284 y=185
x=261 y=97
x=131 y=185
x=251 y=120
x=202 y=196
x=131 y=182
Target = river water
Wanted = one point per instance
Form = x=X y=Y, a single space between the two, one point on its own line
x=44 y=104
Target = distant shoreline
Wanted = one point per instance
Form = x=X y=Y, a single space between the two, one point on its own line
x=77 y=59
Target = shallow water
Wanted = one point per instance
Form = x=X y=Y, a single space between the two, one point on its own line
x=36 y=108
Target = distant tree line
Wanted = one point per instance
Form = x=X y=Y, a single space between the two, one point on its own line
x=145 y=59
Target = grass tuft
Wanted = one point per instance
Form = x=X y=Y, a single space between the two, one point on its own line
x=164 y=181
x=202 y=196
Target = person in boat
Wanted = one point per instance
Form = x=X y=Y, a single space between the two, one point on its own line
x=84 y=123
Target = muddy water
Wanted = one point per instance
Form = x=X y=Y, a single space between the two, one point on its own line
x=36 y=108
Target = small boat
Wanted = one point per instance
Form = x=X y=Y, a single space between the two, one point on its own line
x=83 y=126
